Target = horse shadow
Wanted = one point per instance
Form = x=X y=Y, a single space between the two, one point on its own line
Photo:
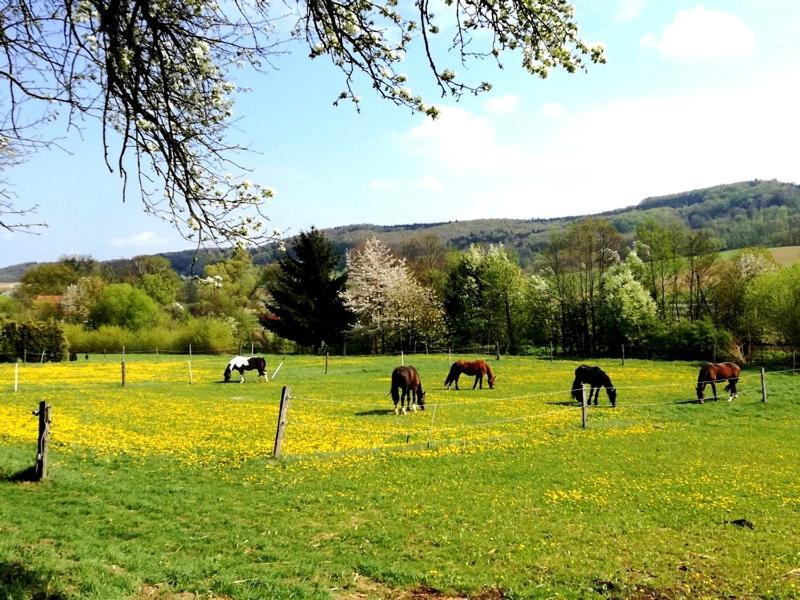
x=376 y=411
x=564 y=403
x=18 y=581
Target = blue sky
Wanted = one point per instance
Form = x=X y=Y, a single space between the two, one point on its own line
x=692 y=95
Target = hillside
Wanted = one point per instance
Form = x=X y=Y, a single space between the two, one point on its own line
x=764 y=213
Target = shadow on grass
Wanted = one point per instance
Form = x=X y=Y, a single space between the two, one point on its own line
x=26 y=475
x=565 y=403
x=17 y=581
x=377 y=411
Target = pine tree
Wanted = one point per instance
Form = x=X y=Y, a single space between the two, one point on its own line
x=306 y=302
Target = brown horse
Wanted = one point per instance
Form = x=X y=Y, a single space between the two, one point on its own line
x=479 y=368
x=407 y=389
x=712 y=373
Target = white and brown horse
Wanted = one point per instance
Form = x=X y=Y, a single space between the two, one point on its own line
x=246 y=363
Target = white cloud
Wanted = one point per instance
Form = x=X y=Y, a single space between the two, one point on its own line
x=616 y=154
x=628 y=10
x=462 y=142
x=554 y=110
x=702 y=34
x=502 y=105
x=139 y=240
x=430 y=183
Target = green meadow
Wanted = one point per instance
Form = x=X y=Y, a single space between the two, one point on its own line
x=166 y=489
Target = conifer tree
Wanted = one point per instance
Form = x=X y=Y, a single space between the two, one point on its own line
x=306 y=303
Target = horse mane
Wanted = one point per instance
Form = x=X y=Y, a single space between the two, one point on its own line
x=489 y=371
x=577 y=392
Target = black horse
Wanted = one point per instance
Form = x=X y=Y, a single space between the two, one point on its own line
x=407 y=389
x=245 y=363
x=596 y=378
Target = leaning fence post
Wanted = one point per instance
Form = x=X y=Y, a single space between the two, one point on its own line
x=284 y=409
x=43 y=440
x=123 y=372
x=763 y=386
x=583 y=406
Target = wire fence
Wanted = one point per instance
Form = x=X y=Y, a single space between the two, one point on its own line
x=460 y=419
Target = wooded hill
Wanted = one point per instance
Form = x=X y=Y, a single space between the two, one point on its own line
x=752 y=213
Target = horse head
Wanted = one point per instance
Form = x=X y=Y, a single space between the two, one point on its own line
x=421 y=398
x=227 y=374
x=612 y=395
x=492 y=377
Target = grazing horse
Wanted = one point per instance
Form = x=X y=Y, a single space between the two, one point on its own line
x=246 y=363
x=407 y=389
x=479 y=368
x=712 y=373
x=596 y=378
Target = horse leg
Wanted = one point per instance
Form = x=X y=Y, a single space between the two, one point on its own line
x=732 y=388
x=241 y=375
x=457 y=376
x=405 y=399
x=593 y=393
x=714 y=390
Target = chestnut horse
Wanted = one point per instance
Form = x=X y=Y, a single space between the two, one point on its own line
x=479 y=368
x=407 y=389
x=596 y=378
x=712 y=373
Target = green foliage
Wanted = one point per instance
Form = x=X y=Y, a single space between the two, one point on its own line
x=123 y=305
x=306 y=304
x=207 y=334
x=46 y=279
x=690 y=340
x=776 y=294
x=34 y=340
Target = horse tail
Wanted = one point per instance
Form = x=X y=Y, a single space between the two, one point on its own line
x=703 y=378
x=451 y=376
x=577 y=389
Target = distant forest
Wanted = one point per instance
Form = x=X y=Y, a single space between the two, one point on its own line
x=752 y=213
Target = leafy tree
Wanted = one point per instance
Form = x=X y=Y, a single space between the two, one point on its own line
x=628 y=312
x=776 y=294
x=306 y=294
x=158 y=76
x=46 y=279
x=730 y=296
x=484 y=297
x=80 y=298
x=123 y=305
x=229 y=284
x=660 y=246
x=390 y=305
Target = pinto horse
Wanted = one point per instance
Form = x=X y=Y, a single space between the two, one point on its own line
x=407 y=389
x=479 y=368
x=711 y=373
x=596 y=378
x=246 y=363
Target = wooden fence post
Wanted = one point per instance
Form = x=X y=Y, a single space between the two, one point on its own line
x=583 y=406
x=497 y=350
x=16 y=374
x=763 y=386
x=551 y=351
x=623 y=355
x=123 y=372
x=402 y=359
x=43 y=440
x=282 y=412
x=326 y=362
x=191 y=380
